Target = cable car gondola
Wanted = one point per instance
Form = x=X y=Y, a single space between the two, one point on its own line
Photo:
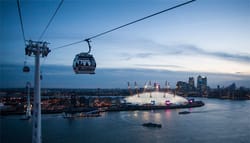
x=84 y=63
x=26 y=68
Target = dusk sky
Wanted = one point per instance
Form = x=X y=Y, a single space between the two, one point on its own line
x=206 y=37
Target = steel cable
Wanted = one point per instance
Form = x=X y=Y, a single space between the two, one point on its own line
x=168 y=9
x=58 y=7
x=21 y=21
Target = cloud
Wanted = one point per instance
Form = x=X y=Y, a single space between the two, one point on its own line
x=143 y=55
x=236 y=57
x=64 y=77
x=157 y=49
x=161 y=66
x=186 y=49
x=130 y=56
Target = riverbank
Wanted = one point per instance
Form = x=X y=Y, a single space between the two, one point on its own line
x=155 y=107
x=114 y=108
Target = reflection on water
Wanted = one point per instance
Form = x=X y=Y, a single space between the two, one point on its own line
x=145 y=115
x=151 y=116
x=218 y=121
x=168 y=114
x=157 y=118
x=135 y=114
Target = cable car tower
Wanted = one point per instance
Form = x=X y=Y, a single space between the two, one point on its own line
x=37 y=49
x=28 y=110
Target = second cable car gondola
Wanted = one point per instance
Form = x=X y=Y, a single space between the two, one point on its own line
x=84 y=63
x=26 y=68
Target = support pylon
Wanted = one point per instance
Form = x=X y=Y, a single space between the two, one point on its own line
x=37 y=48
x=28 y=111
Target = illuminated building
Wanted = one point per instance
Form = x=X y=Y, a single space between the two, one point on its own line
x=156 y=98
x=191 y=83
x=202 y=85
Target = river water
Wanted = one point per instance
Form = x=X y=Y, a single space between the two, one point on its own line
x=219 y=121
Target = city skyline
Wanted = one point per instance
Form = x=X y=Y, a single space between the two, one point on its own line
x=205 y=37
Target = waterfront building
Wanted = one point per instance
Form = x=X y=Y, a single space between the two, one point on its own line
x=154 y=96
x=202 y=85
x=182 y=86
x=191 y=83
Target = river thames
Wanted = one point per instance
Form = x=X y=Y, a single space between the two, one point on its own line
x=219 y=121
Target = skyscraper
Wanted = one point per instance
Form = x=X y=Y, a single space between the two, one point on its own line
x=191 y=83
x=202 y=85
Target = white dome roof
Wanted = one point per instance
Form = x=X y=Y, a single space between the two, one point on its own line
x=156 y=97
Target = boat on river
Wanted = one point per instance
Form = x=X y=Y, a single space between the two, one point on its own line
x=94 y=113
x=151 y=125
x=184 y=112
